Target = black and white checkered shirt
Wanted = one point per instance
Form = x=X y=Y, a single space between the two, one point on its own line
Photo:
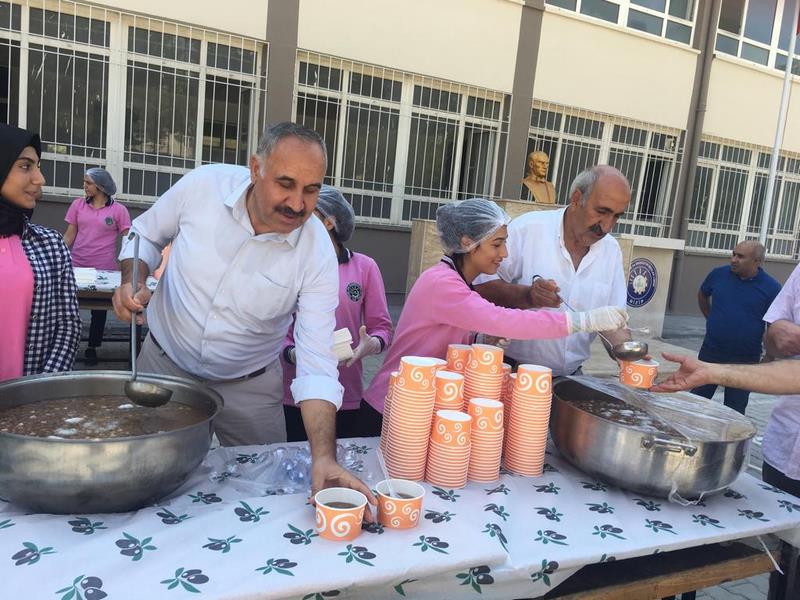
x=54 y=328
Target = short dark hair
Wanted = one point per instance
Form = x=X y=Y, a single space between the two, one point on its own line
x=275 y=132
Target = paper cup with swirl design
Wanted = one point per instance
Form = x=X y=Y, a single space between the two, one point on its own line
x=458 y=357
x=340 y=512
x=487 y=415
x=399 y=512
x=485 y=359
x=534 y=380
x=451 y=428
x=449 y=390
x=387 y=409
x=415 y=374
x=638 y=373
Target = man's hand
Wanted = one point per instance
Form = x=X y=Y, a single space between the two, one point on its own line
x=367 y=346
x=783 y=339
x=691 y=374
x=327 y=473
x=126 y=303
x=544 y=293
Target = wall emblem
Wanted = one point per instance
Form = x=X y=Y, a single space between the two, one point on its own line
x=642 y=282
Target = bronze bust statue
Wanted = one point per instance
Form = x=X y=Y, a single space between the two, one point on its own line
x=542 y=191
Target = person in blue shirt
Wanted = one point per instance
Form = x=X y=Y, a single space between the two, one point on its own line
x=734 y=299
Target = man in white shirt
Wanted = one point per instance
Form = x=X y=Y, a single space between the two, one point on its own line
x=246 y=256
x=566 y=253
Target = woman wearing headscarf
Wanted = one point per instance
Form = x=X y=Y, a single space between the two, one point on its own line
x=95 y=222
x=39 y=317
x=362 y=310
x=442 y=308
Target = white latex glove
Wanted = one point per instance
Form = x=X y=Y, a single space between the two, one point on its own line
x=605 y=318
x=367 y=345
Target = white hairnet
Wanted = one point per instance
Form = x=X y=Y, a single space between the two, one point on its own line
x=475 y=218
x=332 y=205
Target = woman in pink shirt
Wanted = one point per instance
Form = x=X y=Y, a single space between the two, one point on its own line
x=362 y=310
x=95 y=223
x=39 y=322
x=443 y=309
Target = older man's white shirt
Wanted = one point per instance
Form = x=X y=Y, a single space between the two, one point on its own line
x=224 y=304
x=536 y=247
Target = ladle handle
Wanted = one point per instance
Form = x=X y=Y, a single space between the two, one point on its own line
x=134 y=286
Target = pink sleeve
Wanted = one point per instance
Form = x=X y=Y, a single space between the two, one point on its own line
x=456 y=305
x=123 y=218
x=72 y=212
x=376 y=312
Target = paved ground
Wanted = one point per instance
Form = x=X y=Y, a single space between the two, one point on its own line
x=682 y=334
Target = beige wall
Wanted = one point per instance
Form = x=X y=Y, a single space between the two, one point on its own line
x=743 y=104
x=468 y=41
x=611 y=70
x=242 y=17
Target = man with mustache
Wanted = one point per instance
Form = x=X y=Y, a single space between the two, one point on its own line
x=246 y=256
x=566 y=253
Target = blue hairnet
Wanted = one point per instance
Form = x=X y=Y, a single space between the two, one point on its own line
x=475 y=218
x=103 y=180
x=332 y=205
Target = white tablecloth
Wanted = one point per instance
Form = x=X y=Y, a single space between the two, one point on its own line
x=221 y=537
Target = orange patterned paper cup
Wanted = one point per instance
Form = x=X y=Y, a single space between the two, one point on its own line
x=399 y=512
x=638 y=373
x=487 y=415
x=339 y=513
x=486 y=359
x=451 y=428
x=534 y=380
x=449 y=389
x=416 y=374
x=458 y=357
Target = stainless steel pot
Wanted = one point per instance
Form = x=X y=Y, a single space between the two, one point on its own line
x=663 y=465
x=114 y=475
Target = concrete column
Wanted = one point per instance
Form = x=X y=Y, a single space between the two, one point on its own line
x=282 y=24
x=530 y=33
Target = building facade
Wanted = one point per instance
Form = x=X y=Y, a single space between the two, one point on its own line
x=422 y=103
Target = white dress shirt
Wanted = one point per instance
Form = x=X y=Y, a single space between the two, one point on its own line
x=536 y=247
x=225 y=301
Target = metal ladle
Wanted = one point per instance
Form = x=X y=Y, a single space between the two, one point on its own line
x=630 y=350
x=143 y=393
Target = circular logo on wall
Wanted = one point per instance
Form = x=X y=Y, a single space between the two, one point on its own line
x=642 y=282
x=354 y=291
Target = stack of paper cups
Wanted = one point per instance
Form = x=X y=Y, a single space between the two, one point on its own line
x=449 y=391
x=410 y=418
x=487 y=439
x=448 y=455
x=528 y=419
x=483 y=377
x=387 y=410
x=458 y=357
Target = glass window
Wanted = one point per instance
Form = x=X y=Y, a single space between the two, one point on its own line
x=602 y=9
x=757 y=206
x=322 y=115
x=780 y=63
x=709 y=150
x=575 y=157
x=483 y=108
x=161 y=115
x=328 y=78
x=730 y=16
x=67 y=100
x=437 y=99
x=369 y=147
x=731 y=189
x=231 y=58
x=681 y=9
x=645 y=22
x=546 y=119
x=787 y=30
x=140 y=182
x=375 y=87
x=65 y=27
x=431 y=156
x=226 y=120
x=477 y=158
x=754 y=53
x=163 y=45
x=9 y=82
x=760 y=20
x=701 y=194
x=727 y=45
x=659 y=5
x=736 y=155
x=679 y=32
x=569 y=4
x=630 y=136
x=10 y=16
x=584 y=127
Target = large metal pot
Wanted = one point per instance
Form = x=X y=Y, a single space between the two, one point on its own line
x=98 y=476
x=668 y=466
